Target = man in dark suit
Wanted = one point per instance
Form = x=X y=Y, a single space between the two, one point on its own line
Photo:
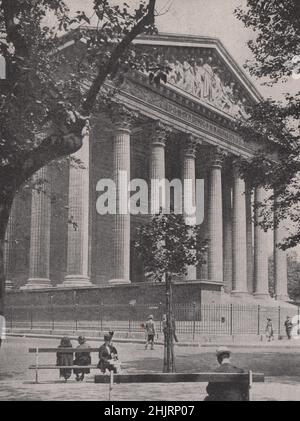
x=107 y=355
x=226 y=391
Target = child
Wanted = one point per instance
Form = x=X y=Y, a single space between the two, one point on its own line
x=65 y=358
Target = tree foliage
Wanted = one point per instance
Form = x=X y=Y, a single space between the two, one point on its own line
x=48 y=96
x=275 y=124
x=167 y=246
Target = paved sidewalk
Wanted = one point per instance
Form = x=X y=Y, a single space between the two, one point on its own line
x=17 y=382
x=184 y=340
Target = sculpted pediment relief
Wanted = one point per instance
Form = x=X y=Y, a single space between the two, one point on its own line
x=201 y=73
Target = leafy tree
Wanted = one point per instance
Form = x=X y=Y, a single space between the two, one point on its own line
x=44 y=104
x=167 y=246
x=275 y=124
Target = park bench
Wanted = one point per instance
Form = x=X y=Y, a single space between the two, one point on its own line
x=112 y=379
x=37 y=366
x=244 y=378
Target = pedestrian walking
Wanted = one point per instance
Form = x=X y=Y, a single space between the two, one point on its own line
x=269 y=330
x=288 y=327
x=150 y=332
x=82 y=358
x=65 y=358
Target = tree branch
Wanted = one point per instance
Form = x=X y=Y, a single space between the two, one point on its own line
x=120 y=49
x=66 y=138
x=58 y=142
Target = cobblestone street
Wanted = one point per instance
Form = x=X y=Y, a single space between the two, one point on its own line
x=17 y=382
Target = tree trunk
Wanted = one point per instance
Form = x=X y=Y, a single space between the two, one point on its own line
x=169 y=357
x=5 y=207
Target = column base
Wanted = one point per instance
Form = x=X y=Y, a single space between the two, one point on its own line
x=73 y=281
x=8 y=285
x=262 y=296
x=119 y=281
x=37 y=283
x=240 y=294
x=282 y=297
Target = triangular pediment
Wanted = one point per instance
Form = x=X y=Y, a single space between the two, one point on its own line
x=203 y=69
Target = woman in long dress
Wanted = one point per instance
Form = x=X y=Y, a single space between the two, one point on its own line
x=82 y=358
x=65 y=358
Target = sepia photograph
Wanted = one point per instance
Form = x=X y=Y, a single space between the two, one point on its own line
x=150 y=203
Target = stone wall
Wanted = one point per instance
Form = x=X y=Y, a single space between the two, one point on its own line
x=143 y=293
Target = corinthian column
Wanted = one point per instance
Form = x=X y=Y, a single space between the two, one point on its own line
x=261 y=287
x=78 y=223
x=8 y=246
x=157 y=172
x=121 y=177
x=215 y=224
x=40 y=232
x=227 y=232
x=189 y=191
x=249 y=239
x=280 y=263
x=239 y=251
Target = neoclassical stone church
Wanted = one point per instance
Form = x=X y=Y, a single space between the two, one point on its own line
x=181 y=129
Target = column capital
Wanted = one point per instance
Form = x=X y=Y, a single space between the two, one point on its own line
x=217 y=156
x=159 y=133
x=122 y=117
x=190 y=146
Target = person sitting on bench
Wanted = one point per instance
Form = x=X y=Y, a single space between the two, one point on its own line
x=65 y=358
x=226 y=391
x=108 y=355
x=82 y=358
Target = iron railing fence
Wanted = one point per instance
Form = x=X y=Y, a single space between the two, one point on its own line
x=193 y=319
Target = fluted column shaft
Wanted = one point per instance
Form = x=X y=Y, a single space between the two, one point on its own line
x=227 y=233
x=280 y=263
x=121 y=177
x=189 y=192
x=215 y=225
x=157 y=173
x=261 y=288
x=78 y=223
x=249 y=239
x=8 y=246
x=239 y=252
x=40 y=232
x=203 y=269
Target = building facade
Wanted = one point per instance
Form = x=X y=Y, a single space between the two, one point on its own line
x=183 y=129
